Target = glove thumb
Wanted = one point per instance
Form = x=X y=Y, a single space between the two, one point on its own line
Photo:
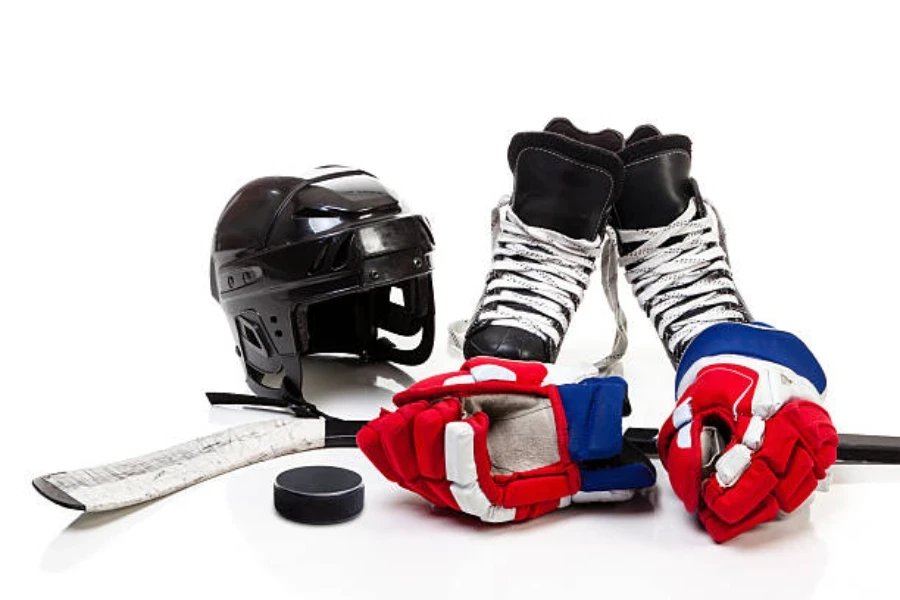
x=688 y=450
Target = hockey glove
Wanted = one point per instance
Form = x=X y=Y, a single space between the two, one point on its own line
x=494 y=441
x=749 y=437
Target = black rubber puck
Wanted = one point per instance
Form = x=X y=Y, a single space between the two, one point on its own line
x=319 y=495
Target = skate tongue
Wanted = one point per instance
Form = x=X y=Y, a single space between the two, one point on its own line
x=642 y=133
x=608 y=138
x=563 y=184
x=657 y=186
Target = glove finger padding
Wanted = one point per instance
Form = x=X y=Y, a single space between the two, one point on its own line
x=799 y=444
x=428 y=437
x=388 y=442
x=492 y=441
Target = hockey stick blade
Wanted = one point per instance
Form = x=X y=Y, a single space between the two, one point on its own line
x=152 y=476
x=852 y=447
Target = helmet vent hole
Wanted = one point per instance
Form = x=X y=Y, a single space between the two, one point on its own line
x=278 y=333
x=273 y=319
x=397 y=297
x=341 y=254
x=311 y=212
x=316 y=265
x=251 y=337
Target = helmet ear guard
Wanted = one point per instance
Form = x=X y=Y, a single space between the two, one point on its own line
x=415 y=315
x=347 y=324
x=267 y=371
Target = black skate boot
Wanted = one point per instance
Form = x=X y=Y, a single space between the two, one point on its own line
x=671 y=243
x=547 y=238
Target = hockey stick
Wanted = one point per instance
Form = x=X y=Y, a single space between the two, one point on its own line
x=852 y=447
x=158 y=474
x=151 y=476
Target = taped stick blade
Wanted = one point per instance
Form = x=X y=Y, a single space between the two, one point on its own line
x=152 y=476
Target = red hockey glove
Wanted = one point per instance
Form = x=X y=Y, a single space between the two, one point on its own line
x=748 y=437
x=492 y=440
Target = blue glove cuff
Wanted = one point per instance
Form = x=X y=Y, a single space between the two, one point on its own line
x=594 y=409
x=755 y=340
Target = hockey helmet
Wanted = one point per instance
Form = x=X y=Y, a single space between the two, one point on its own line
x=321 y=264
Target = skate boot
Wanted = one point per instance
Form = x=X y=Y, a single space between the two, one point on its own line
x=749 y=438
x=671 y=243
x=547 y=237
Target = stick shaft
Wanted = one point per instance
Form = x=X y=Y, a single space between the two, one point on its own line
x=852 y=447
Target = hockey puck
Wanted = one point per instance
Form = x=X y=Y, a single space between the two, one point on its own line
x=319 y=495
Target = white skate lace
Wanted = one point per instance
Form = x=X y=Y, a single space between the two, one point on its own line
x=537 y=280
x=681 y=277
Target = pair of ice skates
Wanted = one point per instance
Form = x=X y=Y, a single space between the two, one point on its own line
x=571 y=189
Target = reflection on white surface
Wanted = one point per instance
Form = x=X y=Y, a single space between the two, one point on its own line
x=349 y=388
x=88 y=533
x=343 y=387
x=573 y=551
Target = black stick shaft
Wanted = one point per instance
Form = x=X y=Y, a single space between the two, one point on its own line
x=852 y=447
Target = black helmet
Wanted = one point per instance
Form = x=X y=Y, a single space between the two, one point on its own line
x=308 y=265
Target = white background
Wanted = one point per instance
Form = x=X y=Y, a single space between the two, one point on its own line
x=125 y=129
